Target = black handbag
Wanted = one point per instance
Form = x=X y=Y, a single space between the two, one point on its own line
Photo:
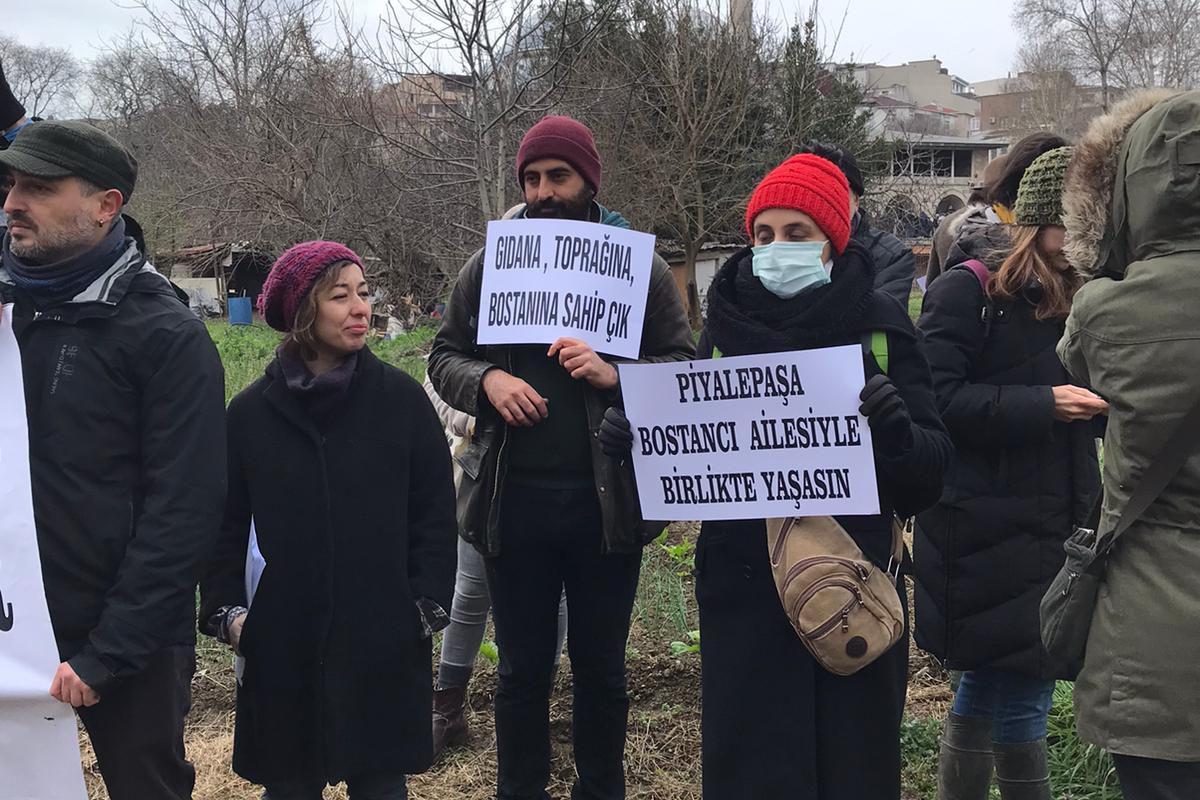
x=1068 y=605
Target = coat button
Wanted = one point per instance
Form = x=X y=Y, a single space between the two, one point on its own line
x=601 y=490
x=747 y=571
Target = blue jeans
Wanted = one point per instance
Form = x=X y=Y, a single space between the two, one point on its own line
x=367 y=787
x=1018 y=705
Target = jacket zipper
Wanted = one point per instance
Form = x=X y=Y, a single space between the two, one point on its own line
x=492 y=509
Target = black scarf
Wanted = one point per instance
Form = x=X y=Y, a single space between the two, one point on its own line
x=745 y=318
x=321 y=395
x=52 y=284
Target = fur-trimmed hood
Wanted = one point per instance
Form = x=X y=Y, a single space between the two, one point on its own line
x=1125 y=190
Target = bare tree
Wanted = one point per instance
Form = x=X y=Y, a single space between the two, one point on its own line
x=1163 y=47
x=1094 y=32
x=462 y=81
x=688 y=86
x=44 y=79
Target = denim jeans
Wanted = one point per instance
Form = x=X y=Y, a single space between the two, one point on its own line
x=366 y=787
x=468 y=620
x=1018 y=705
x=551 y=539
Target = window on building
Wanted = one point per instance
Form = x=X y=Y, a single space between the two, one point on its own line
x=962 y=163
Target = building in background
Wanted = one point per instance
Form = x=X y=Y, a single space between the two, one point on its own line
x=1029 y=102
x=930 y=118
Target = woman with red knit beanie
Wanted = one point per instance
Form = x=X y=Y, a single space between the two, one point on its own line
x=339 y=476
x=775 y=723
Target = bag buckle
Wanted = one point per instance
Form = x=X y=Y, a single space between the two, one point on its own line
x=894 y=574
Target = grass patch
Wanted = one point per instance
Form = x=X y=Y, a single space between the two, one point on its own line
x=914 y=304
x=1078 y=770
x=919 y=756
x=665 y=600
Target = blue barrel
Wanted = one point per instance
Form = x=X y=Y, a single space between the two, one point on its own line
x=240 y=311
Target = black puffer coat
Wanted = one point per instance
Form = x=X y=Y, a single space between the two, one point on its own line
x=1019 y=481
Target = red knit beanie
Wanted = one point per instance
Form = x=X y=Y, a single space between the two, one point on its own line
x=565 y=138
x=293 y=275
x=810 y=184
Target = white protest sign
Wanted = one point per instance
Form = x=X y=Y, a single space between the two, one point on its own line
x=543 y=279
x=39 y=745
x=751 y=437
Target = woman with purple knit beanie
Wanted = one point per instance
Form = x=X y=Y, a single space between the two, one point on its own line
x=340 y=483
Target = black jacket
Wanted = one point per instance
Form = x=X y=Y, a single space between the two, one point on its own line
x=456 y=369
x=354 y=525
x=820 y=728
x=125 y=398
x=895 y=266
x=1020 y=480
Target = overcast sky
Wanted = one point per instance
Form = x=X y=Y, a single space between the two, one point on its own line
x=974 y=40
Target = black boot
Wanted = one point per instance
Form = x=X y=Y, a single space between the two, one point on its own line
x=449 y=719
x=1022 y=772
x=965 y=762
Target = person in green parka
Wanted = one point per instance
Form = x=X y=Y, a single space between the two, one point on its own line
x=1132 y=213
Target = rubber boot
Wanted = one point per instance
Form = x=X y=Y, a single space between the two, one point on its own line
x=449 y=719
x=965 y=761
x=1022 y=772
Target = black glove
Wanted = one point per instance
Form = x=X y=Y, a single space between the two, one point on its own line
x=887 y=414
x=11 y=110
x=616 y=435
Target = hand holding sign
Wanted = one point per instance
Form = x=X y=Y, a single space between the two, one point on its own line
x=581 y=361
x=517 y=401
x=67 y=687
x=887 y=414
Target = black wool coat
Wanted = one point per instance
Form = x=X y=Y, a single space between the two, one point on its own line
x=1019 y=482
x=355 y=524
x=775 y=723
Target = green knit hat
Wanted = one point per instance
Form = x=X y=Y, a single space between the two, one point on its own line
x=1039 y=197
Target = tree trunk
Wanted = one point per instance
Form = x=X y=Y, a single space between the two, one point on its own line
x=691 y=252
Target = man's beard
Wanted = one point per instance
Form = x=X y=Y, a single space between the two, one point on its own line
x=50 y=246
x=578 y=207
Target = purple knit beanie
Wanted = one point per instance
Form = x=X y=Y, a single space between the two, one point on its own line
x=293 y=275
x=565 y=138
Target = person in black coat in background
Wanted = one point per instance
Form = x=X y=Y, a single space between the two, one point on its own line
x=338 y=464
x=1025 y=472
x=775 y=723
x=895 y=266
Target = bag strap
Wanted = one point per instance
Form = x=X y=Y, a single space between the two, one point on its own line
x=875 y=345
x=983 y=275
x=1162 y=470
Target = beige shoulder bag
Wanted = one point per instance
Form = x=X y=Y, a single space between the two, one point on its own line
x=845 y=609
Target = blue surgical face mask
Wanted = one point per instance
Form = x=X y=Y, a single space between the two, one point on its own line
x=788 y=268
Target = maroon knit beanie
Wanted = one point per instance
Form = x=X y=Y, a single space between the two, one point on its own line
x=810 y=184
x=565 y=138
x=293 y=275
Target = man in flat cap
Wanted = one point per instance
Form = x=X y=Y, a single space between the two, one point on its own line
x=125 y=400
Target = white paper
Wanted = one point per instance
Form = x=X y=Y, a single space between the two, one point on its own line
x=255 y=564
x=39 y=745
x=543 y=279
x=921 y=283
x=751 y=437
